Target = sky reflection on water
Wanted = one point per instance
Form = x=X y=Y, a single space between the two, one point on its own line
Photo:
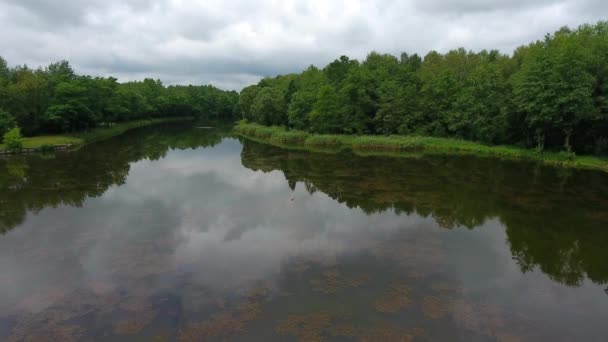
x=188 y=236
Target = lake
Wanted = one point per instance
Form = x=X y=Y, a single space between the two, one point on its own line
x=172 y=233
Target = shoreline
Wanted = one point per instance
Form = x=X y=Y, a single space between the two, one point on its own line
x=417 y=146
x=63 y=142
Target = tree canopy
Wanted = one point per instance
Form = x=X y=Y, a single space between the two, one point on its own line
x=56 y=100
x=552 y=93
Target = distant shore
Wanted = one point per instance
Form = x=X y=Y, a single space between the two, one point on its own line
x=69 y=141
x=408 y=145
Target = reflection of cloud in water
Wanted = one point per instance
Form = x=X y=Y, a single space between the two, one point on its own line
x=197 y=225
x=196 y=212
x=237 y=225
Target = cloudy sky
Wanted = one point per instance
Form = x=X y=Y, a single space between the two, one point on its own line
x=231 y=43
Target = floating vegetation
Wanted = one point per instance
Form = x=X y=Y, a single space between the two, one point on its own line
x=222 y=324
x=394 y=300
x=332 y=281
x=434 y=308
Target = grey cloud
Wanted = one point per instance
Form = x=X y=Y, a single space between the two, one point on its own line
x=472 y=6
x=235 y=42
x=70 y=12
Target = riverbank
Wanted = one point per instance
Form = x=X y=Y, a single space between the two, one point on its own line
x=408 y=145
x=65 y=141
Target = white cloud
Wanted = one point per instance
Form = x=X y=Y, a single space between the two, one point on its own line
x=235 y=42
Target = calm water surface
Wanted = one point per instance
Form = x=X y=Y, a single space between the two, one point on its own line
x=178 y=234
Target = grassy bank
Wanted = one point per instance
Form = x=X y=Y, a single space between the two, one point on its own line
x=405 y=145
x=83 y=138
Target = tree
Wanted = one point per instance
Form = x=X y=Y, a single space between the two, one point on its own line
x=13 y=140
x=70 y=109
x=60 y=72
x=7 y=122
x=300 y=108
x=269 y=107
x=326 y=114
x=246 y=99
x=28 y=98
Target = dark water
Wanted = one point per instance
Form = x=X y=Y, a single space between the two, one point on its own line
x=170 y=233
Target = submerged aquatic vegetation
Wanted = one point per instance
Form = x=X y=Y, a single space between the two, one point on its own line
x=309 y=327
x=394 y=300
x=447 y=288
x=422 y=255
x=385 y=332
x=434 y=308
x=325 y=326
x=135 y=324
x=332 y=281
x=223 y=324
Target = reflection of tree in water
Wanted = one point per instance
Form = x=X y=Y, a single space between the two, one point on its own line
x=32 y=183
x=554 y=220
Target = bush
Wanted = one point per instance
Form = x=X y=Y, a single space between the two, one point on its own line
x=13 y=140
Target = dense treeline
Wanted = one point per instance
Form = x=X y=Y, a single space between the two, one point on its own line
x=551 y=93
x=57 y=100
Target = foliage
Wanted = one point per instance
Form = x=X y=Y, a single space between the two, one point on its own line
x=550 y=94
x=13 y=140
x=268 y=107
x=57 y=100
x=7 y=122
x=409 y=145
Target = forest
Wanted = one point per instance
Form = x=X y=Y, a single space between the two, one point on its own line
x=550 y=94
x=55 y=99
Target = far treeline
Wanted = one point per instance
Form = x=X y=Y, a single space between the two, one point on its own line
x=552 y=94
x=56 y=100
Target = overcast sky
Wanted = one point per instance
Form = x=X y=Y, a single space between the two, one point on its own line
x=231 y=43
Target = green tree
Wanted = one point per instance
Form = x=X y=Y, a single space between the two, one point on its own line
x=300 y=108
x=28 y=98
x=246 y=99
x=269 y=107
x=70 y=109
x=7 y=122
x=326 y=114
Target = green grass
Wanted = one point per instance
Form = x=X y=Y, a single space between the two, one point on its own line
x=97 y=134
x=408 y=146
x=48 y=140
